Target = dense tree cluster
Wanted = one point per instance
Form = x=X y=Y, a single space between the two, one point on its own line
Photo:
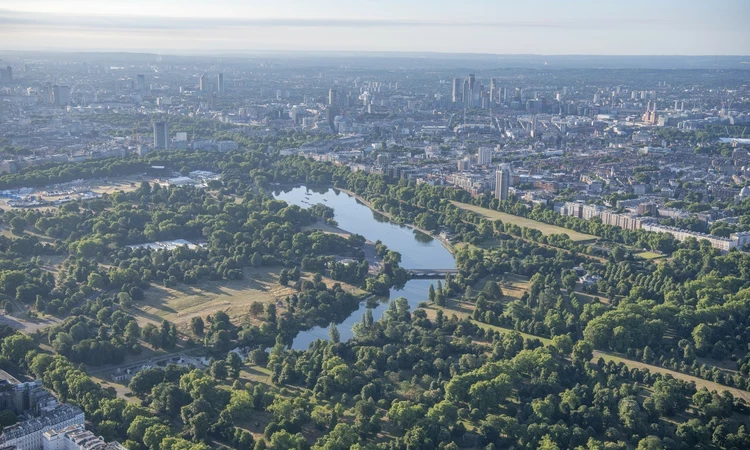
x=416 y=379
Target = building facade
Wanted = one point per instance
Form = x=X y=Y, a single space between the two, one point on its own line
x=76 y=437
x=502 y=182
x=28 y=435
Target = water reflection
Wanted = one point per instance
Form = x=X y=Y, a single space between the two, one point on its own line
x=418 y=251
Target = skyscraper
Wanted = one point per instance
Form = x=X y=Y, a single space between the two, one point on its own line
x=472 y=90
x=332 y=97
x=141 y=82
x=457 y=88
x=61 y=95
x=502 y=182
x=466 y=95
x=484 y=156
x=493 y=91
x=220 y=82
x=202 y=82
x=161 y=135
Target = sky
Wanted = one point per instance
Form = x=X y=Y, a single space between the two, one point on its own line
x=551 y=27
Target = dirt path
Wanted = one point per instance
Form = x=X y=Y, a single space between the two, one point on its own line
x=465 y=309
x=699 y=382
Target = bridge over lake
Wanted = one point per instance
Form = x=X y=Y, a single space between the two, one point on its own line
x=433 y=274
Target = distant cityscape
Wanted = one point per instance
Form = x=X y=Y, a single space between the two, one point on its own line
x=635 y=149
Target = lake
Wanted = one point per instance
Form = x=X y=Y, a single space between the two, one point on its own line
x=418 y=251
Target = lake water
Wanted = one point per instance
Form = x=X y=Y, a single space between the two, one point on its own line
x=418 y=251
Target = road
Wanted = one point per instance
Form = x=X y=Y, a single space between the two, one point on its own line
x=136 y=362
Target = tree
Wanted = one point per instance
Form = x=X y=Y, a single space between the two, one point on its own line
x=154 y=435
x=95 y=280
x=492 y=291
x=271 y=313
x=138 y=427
x=166 y=335
x=629 y=413
x=547 y=444
x=218 y=370
x=619 y=253
x=583 y=351
x=197 y=326
x=124 y=299
x=702 y=338
x=405 y=414
x=342 y=437
x=284 y=277
x=151 y=334
x=199 y=424
x=256 y=309
x=17 y=225
x=283 y=440
x=563 y=343
x=144 y=381
x=168 y=397
x=650 y=443
x=132 y=331
x=15 y=347
x=333 y=333
x=668 y=398
x=235 y=364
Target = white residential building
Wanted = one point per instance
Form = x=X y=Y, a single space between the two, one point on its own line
x=76 y=437
x=28 y=435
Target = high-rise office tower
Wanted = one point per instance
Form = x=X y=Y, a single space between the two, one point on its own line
x=466 y=95
x=140 y=82
x=493 y=91
x=502 y=182
x=457 y=88
x=484 y=156
x=202 y=83
x=161 y=135
x=220 y=82
x=61 y=95
x=472 y=90
x=332 y=97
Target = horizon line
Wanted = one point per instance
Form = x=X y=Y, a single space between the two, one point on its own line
x=224 y=52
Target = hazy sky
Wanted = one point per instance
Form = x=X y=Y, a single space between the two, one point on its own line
x=624 y=27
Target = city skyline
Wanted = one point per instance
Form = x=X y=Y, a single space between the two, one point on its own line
x=578 y=27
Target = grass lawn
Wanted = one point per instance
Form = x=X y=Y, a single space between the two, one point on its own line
x=183 y=302
x=524 y=222
x=648 y=255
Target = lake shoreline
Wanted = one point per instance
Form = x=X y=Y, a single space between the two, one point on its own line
x=419 y=251
x=445 y=242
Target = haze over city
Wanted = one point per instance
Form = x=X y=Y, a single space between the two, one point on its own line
x=639 y=27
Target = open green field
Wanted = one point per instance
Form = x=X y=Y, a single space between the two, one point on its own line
x=546 y=229
x=648 y=255
x=183 y=302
